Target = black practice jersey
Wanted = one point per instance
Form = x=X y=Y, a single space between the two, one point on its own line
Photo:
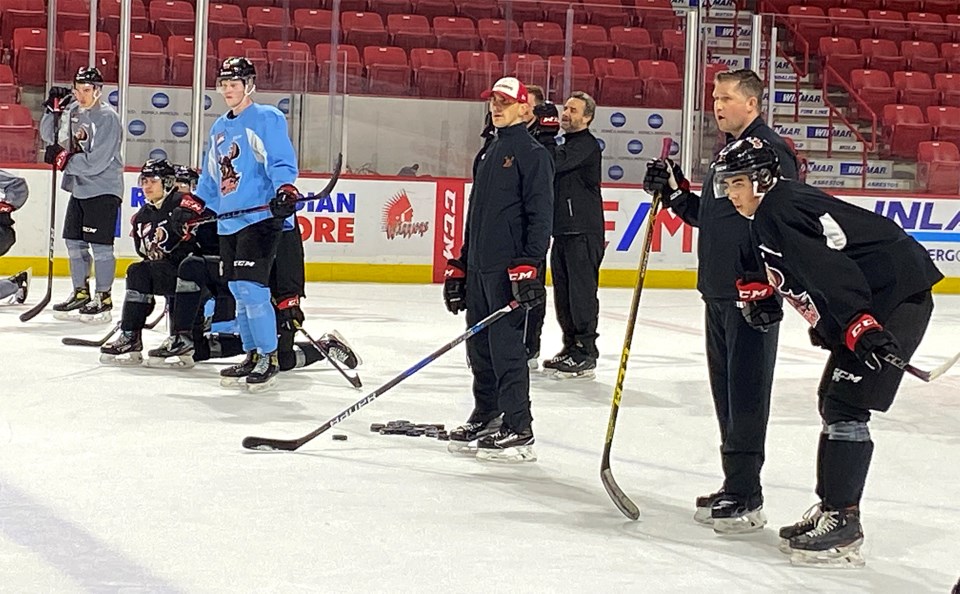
x=154 y=238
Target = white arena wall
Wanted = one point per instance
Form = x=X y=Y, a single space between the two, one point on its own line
x=403 y=229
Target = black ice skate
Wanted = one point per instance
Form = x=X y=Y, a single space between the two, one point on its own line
x=551 y=363
x=231 y=376
x=173 y=352
x=736 y=515
x=463 y=438
x=97 y=310
x=22 y=280
x=806 y=524
x=124 y=350
x=507 y=445
x=703 y=515
x=340 y=349
x=264 y=373
x=70 y=309
x=575 y=365
x=833 y=542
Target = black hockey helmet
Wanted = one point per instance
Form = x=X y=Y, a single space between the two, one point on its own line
x=237 y=69
x=162 y=169
x=88 y=75
x=187 y=175
x=750 y=156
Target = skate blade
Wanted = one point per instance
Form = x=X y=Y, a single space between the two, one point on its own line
x=702 y=516
x=100 y=318
x=848 y=557
x=261 y=387
x=568 y=375
x=231 y=382
x=533 y=364
x=462 y=448
x=128 y=360
x=67 y=316
x=514 y=455
x=750 y=522
x=785 y=546
x=174 y=362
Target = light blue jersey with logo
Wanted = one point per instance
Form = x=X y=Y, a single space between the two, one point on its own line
x=248 y=158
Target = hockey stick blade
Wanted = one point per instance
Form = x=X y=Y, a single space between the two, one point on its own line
x=289 y=445
x=154 y=323
x=927 y=376
x=70 y=341
x=619 y=498
x=350 y=374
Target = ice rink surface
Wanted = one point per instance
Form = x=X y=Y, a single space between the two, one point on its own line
x=133 y=480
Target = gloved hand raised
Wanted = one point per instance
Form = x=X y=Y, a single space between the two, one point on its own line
x=188 y=210
x=62 y=96
x=284 y=203
x=666 y=178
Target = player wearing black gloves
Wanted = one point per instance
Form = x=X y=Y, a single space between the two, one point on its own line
x=506 y=237
x=740 y=359
x=863 y=285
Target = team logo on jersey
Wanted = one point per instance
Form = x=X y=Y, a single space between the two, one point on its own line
x=507 y=162
x=81 y=139
x=154 y=240
x=229 y=176
x=398 y=218
x=802 y=301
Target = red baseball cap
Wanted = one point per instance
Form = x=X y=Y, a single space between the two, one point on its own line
x=509 y=88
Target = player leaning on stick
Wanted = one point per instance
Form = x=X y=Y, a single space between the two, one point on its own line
x=863 y=285
x=88 y=154
x=13 y=194
x=250 y=162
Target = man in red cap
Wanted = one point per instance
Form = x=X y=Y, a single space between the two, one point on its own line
x=508 y=226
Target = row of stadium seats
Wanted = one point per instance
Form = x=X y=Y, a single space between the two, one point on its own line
x=941 y=7
x=812 y=23
x=905 y=127
x=845 y=55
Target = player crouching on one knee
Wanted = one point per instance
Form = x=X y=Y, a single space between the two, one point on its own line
x=13 y=194
x=163 y=239
x=863 y=285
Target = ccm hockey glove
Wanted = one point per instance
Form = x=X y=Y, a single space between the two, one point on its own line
x=759 y=304
x=526 y=284
x=869 y=341
x=455 y=286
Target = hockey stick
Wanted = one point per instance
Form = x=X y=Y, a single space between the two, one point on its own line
x=351 y=375
x=620 y=499
x=334 y=177
x=70 y=341
x=36 y=309
x=289 y=445
x=927 y=376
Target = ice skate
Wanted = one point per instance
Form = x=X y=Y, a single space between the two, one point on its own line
x=175 y=352
x=806 y=524
x=463 y=439
x=97 y=310
x=734 y=515
x=124 y=351
x=340 y=349
x=22 y=280
x=834 y=541
x=70 y=308
x=507 y=446
x=550 y=364
x=233 y=376
x=575 y=366
x=705 y=506
x=264 y=373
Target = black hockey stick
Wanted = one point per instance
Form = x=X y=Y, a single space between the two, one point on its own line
x=351 y=375
x=70 y=341
x=927 y=376
x=36 y=309
x=620 y=499
x=289 y=445
x=334 y=177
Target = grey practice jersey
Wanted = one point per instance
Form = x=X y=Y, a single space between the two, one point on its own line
x=93 y=136
x=13 y=189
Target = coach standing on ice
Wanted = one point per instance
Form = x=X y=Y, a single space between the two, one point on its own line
x=506 y=237
x=740 y=358
x=88 y=153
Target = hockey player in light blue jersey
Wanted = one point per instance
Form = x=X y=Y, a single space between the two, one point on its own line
x=250 y=162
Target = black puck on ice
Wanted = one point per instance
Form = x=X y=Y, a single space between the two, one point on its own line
x=339 y=437
x=376 y=427
x=443 y=436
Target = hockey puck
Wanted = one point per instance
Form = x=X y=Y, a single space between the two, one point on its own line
x=375 y=427
x=339 y=437
x=443 y=436
x=415 y=432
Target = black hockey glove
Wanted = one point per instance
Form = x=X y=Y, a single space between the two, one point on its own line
x=284 y=203
x=57 y=156
x=548 y=121
x=289 y=314
x=526 y=284
x=188 y=211
x=759 y=304
x=455 y=286
x=60 y=95
x=817 y=340
x=869 y=341
x=667 y=178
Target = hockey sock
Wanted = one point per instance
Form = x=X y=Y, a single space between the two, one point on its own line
x=253 y=305
x=311 y=354
x=136 y=308
x=846 y=460
x=185 y=306
x=80 y=261
x=7 y=288
x=820 y=450
x=104 y=266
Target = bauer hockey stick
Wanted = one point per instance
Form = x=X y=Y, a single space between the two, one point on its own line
x=36 y=309
x=289 y=445
x=927 y=376
x=70 y=341
x=620 y=499
x=351 y=375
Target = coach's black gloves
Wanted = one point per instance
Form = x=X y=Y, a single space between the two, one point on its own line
x=62 y=96
x=455 y=286
x=526 y=284
x=758 y=304
x=284 y=203
x=289 y=314
x=187 y=211
x=665 y=177
x=869 y=341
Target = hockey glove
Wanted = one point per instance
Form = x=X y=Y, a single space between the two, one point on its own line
x=289 y=314
x=6 y=207
x=817 y=340
x=758 y=304
x=455 y=286
x=869 y=341
x=188 y=211
x=57 y=156
x=62 y=96
x=548 y=121
x=526 y=284
x=284 y=203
